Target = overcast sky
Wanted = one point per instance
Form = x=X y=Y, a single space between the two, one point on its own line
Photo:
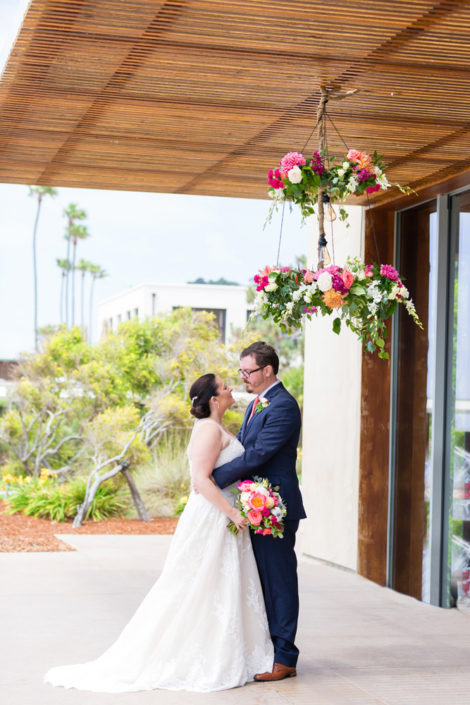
x=136 y=237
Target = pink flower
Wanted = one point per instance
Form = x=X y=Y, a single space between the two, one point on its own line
x=354 y=155
x=257 y=501
x=285 y=269
x=386 y=270
x=290 y=160
x=317 y=164
x=274 y=179
x=265 y=512
x=259 y=531
x=363 y=175
x=313 y=309
x=332 y=269
x=369 y=270
x=254 y=517
x=348 y=278
x=308 y=277
x=245 y=486
x=373 y=189
x=267 y=532
x=262 y=282
x=266 y=271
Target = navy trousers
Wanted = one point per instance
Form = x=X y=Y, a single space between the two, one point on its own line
x=277 y=566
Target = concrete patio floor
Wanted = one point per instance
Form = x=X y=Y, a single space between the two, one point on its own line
x=359 y=643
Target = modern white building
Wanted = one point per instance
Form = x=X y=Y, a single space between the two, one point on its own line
x=226 y=302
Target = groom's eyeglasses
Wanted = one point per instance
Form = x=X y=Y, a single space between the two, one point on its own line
x=247 y=373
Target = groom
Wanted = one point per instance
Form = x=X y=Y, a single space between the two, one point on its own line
x=270 y=434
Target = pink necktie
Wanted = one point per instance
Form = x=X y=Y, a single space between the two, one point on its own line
x=253 y=409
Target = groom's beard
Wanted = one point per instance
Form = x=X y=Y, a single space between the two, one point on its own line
x=248 y=387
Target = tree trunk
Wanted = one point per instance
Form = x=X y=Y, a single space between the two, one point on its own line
x=62 y=297
x=73 y=281
x=35 y=271
x=67 y=280
x=90 y=324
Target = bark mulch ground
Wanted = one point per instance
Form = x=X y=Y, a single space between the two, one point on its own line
x=20 y=533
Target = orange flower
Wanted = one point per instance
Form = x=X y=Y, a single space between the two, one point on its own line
x=266 y=271
x=365 y=162
x=333 y=299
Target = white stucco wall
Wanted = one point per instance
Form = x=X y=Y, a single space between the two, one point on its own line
x=152 y=299
x=331 y=423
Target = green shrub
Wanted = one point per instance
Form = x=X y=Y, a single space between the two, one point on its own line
x=164 y=483
x=59 y=502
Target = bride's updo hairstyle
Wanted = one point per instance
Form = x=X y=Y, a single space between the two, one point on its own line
x=201 y=393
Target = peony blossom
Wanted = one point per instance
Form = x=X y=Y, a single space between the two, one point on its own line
x=270 y=502
x=245 y=486
x=325 y=281
x=354 y=155
x=257 y=501
x=333 y=299
x=254 y=517
x=291 y=160
x=386 y=270
x=348 y=278
x=294 y=175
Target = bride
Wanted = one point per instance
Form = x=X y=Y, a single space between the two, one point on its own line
x=203 y=625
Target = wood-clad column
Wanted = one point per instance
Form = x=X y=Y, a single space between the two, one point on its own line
x=375 y=426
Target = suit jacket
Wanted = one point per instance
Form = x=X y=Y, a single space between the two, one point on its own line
x=270 y=440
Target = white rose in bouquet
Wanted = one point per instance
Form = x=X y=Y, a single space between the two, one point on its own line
x=297 y=294
x=345 y=165
x=341 y=173
x=290 y=306
x=271 y=287
x=325 y=281
x=294 y=175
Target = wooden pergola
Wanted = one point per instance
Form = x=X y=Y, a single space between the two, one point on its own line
x=204 y=96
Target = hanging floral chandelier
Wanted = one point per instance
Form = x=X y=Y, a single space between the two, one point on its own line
x=363 y=296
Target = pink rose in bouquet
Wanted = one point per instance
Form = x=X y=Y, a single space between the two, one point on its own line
x=261 y=505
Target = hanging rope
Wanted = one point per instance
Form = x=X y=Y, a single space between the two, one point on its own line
x=280 y=234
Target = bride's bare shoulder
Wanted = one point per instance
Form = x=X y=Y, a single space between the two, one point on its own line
x=206 y=429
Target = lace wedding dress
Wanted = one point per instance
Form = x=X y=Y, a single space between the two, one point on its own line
x=203 y=625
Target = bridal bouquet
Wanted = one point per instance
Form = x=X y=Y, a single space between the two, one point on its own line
x=262 y=506
x=298 y=180
x=361 y=295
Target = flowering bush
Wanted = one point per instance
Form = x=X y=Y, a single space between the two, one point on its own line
x=299 y=180
x=363 y=295
x=262 y=506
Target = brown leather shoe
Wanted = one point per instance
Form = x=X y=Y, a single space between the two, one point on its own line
x=278 y=673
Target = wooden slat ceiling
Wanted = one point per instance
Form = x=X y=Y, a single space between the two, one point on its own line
x=204 y=96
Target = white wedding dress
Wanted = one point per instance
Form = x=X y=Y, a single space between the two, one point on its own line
x=203 y=625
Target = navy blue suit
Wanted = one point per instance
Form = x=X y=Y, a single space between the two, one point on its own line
x=270 y=439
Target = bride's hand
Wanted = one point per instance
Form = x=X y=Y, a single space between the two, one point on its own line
x=239 y=520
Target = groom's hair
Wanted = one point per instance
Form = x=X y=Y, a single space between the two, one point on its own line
x=264 y=355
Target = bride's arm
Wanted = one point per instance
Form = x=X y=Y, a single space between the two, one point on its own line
x=205 y=449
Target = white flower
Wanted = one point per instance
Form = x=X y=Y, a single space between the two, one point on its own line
x=308 y=296
x=277 y=512
x=245 y=496
x=341 y=173
x=325 y=281
x=290 y=306
x=377 y=170
x=383 y=181
x=297 y=294
x=294 y=175
x=352 y=184
x=271 y=287
x=393 y=294
x=404 y=292
x=345 y=165
x=361 y=275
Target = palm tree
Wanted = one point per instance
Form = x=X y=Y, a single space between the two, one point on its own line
x=82 y=267
x=77 y=232
x=72 y=213
x=97 y=273
x=38 y=192
x=65 y=265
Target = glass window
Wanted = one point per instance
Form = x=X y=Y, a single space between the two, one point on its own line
x=460 y=413
x=414 y=405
